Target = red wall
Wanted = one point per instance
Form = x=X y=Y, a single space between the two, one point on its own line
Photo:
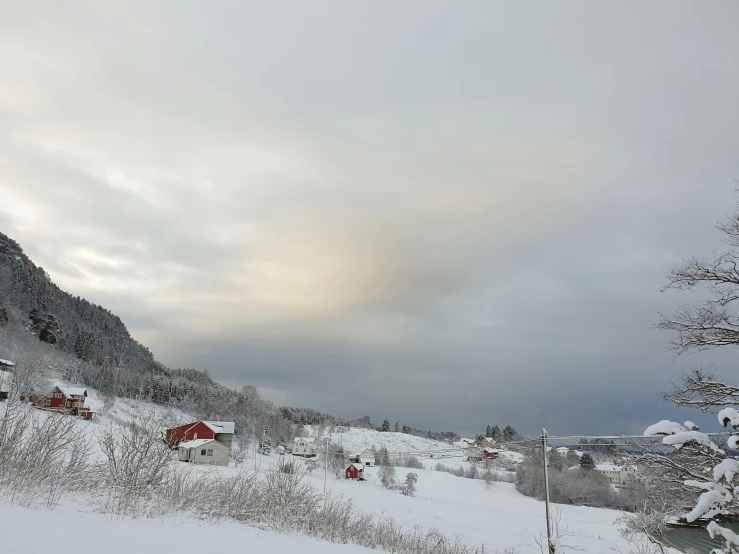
x=187 y=432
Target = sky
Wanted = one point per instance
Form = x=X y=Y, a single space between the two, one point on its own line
x=446 y=214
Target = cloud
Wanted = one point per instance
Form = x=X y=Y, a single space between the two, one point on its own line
x=476 y=207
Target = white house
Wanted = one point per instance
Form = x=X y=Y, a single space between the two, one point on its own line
x=366 y=458
x=204 y=451
x=618 y=475
x=304 y=446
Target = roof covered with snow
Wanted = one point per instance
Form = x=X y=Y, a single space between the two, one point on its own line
x=196 y=443
x=221 y=426
x=309 y=440
x=607 y=467
x=360 y=467
x=6 y=363
x=73 y=391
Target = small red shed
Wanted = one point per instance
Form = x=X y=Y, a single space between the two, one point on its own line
x=355 y=471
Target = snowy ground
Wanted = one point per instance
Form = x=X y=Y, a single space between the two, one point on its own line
x=499 y=517
x=72 y=529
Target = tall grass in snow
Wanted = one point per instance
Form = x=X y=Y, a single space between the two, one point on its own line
x=133 y=473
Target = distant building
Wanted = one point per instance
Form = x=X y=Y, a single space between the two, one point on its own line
x=618 y=475
x=366 y=458
x=64 y=399
x=6 y=364
x=355 y=471
x=487 y=441
x=304 y=447
x=491 y=453
x=204 y=451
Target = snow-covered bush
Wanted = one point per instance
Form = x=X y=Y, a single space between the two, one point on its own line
x=136 y=461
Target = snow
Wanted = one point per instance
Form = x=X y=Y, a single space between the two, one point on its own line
x=498 y=517
x=197 y=443
x=679 y=439
x=728 y=416
x=73 y=391
x=68 y=523
x=6 y=363
x=664 y=427
x=607 y=467
x=221 y=426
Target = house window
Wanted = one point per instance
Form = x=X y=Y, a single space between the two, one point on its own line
x=210 y=452
x=202 y=452
x=47 y=403
x=366 y=463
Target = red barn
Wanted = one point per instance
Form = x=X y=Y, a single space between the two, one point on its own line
x=222 y=431
x=355 y=471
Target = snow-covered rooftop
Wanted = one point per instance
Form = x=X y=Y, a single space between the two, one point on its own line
x=74 y=391
x=607 y=467
x=6 y=363
x=221 y=426
x=306 y=439
x=196 y=443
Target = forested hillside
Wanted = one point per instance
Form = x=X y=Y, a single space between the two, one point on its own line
x=92 y=346
x=71 y=324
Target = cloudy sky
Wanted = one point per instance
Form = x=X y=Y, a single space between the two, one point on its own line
x=447 y=214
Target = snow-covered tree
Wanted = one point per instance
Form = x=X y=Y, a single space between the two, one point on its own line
x=385 y=426
x=701 y=469
x=409 y=489
x=555 y=460
x=572 y=459
x=387 y=476
x=396 y=428
x=587 y=462
x=509 y=434
x=265 y=442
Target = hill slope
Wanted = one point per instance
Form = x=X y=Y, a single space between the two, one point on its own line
x=72 y=324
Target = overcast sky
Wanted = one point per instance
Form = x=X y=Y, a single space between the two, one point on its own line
x=447 y=214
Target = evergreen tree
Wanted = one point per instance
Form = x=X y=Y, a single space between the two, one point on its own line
x=587 y=462
x=496 y=434
x=555 y=460
x=396 y=428
x=265 y=443
x=509 y=434
x=385 y=426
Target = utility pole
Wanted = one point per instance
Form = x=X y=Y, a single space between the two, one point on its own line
x=325 y=468
x=544 y=435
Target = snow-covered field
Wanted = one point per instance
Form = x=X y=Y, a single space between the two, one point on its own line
x=498 y=517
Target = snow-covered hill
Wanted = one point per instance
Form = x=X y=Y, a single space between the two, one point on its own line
x=498 y=517
x=357 y=440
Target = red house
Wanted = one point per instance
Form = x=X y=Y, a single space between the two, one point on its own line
x=66 y=399
x=222 y=431
x=355 y=471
